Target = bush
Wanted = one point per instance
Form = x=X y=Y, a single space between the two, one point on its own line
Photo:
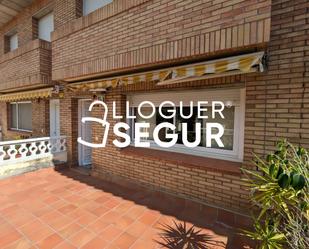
x=280 y=191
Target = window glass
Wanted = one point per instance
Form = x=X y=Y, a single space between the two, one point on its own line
x=14 y=116
x=154 y=121
x=13 y=42
x=192 y=112
x=46 y=26
x=21 y=116
x=25 y=116
x=191 y=123
x=92 y=5
x=228 y=124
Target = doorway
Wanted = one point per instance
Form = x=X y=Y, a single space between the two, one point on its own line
x=54 y=117
x=85 y=132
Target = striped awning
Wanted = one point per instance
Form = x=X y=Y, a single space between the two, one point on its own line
x=27 y=95
x=209 y=69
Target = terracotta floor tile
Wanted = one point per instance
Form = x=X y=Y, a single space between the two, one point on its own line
x=86 y=218
x=98 y=226
x=41 y=211
x=102 y=199
x=124 y=241
x=123 y=222
x=50 y=242
x=81 y=238
x=21 y=219
x=149 y=218
x=136 y=229
x=97 y=242
x=67 y=208
x=64 y=210
x=51 y=199
x=136 y=212
x=51 y=216
x=70 y=230
x=90 y=206
x=9 y=237
x=99 y=210
x=124 y=207
x=111 y=203
x=39 y=234
x=110 y=233
x=20 y=244
x=142 y=244
x=111 y=216
x=150 y=234
x=65 y=245
x=112 y=247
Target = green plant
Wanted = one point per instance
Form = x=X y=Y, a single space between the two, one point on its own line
x=280 y=189
x=267 y=235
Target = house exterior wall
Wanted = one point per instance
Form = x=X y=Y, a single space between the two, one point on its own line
x=29 y=66
x=276 y=108
x=40 y=121
x=127 y=34
x=142 y=33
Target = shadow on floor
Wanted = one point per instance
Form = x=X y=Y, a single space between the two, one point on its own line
x=181 y=236
x=180 y=209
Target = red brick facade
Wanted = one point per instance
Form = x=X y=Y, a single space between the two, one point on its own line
x=143 y=34
x=40 y=121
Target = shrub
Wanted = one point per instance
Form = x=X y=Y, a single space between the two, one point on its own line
x=280 y=191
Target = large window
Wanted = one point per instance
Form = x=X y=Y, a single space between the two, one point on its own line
x=233 y=121
x=46 y=26
x=21 y=116
x=92 y=5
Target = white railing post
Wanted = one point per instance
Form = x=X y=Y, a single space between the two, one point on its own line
x=17 y=151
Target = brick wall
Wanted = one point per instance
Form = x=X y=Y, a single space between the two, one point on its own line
x=26 y=27
x=23 y=24
x=221 y=188
x=40 y=121
x=127 y=34
x=28 y=66
x=277 y=106
x=278 y=102
x=66 y=11
x=69 y=123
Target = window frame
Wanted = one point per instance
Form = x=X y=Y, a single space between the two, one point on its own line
x=17 y=115
x=39 y=19
x=86 y=14
x=238 y=136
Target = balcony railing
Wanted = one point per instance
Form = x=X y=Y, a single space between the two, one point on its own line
x=24 y=151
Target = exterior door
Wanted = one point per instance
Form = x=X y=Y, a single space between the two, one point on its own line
x=85 y=152
x=54 y=117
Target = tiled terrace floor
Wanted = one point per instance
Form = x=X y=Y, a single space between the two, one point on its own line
x=63 y=210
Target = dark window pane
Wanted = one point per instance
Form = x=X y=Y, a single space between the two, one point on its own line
x=191 y=121
x=228 y=124
x=25 y=116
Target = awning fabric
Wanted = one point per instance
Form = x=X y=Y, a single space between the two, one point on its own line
x=209 y=69
x=41 y=93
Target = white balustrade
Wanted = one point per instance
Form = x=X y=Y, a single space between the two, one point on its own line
x=17 y=151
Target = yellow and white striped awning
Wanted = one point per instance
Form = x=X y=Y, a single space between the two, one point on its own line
x=209 y=69
x=27 y=95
